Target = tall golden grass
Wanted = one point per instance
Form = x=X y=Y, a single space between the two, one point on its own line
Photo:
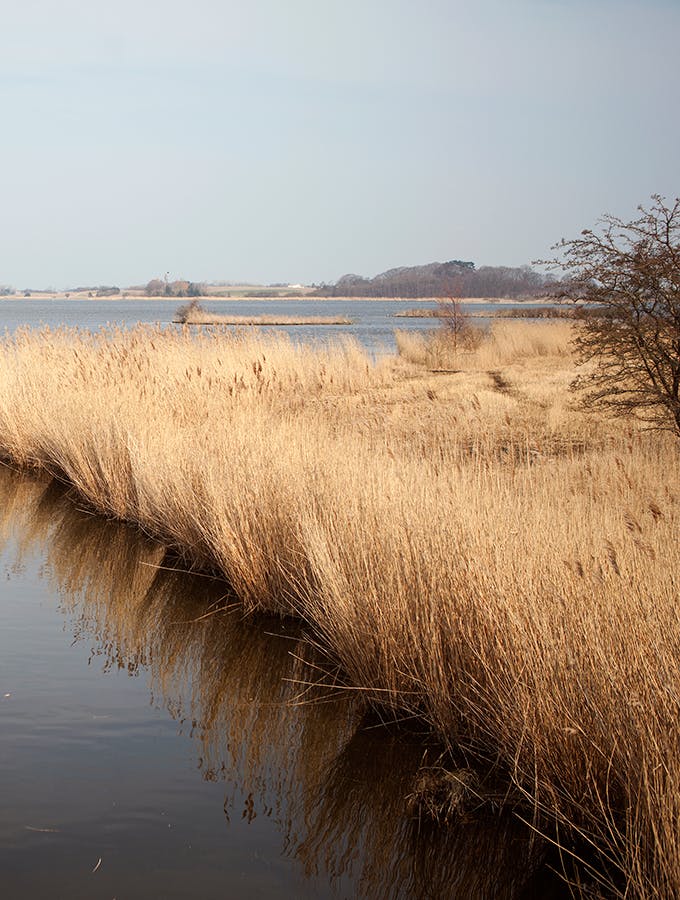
x=466 y=546
x=194 y=314
x=334 y=787
x=503 y=344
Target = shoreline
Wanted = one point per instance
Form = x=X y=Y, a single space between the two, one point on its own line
x=245 y=298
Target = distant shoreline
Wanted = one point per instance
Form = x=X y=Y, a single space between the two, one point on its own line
x=240 y=298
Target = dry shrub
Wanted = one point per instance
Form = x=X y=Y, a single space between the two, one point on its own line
x=188 y=312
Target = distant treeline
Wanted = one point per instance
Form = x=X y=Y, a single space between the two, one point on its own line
x=104 y=290
x=158 y=287
x=456 y=278
x=95 y=290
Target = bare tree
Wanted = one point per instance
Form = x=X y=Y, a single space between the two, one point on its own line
x=456 y=330
x=155 y=288
x=630 y=337
x=453 y=322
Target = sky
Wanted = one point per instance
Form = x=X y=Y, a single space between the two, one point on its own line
x=270 y=141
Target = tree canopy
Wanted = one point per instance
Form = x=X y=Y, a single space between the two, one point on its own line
x=628 y=275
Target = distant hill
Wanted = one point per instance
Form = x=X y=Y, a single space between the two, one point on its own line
x=456 y=278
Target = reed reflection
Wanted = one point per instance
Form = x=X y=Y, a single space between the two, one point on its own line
x=336 y=788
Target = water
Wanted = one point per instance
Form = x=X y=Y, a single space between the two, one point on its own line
x=373 y=320
x=155 y=744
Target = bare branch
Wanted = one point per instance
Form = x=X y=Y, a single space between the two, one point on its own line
x=625 y=280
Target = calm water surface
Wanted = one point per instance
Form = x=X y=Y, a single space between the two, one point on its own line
x=373 y=320
x=155 y=744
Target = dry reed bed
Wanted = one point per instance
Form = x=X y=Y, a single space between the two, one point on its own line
x=467 y=547
x=334 y=787
x=513 y=312
x=205 y=317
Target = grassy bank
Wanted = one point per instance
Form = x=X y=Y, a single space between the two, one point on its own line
x=514 y=312
x=467 y=547
x=195 y=314
x=209 y=318
x=330 y=782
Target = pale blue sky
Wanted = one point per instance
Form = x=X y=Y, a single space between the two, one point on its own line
x=299 y=140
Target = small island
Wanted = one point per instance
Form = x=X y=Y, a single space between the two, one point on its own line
x=195 y=314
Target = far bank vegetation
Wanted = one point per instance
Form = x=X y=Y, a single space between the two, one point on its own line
x=442 y=311
x=456 y=278
x=159 y=287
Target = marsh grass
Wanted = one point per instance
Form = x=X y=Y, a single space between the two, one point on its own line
x=504 y=344
x=195 y=314
x=348 y=798
x=513 y=312
x=465 y=548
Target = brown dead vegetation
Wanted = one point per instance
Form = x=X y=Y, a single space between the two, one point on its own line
x=465 y=546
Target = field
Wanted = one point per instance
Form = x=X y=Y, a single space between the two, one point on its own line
x=464 y=545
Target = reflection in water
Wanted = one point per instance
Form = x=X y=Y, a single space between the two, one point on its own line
x=335 y=787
